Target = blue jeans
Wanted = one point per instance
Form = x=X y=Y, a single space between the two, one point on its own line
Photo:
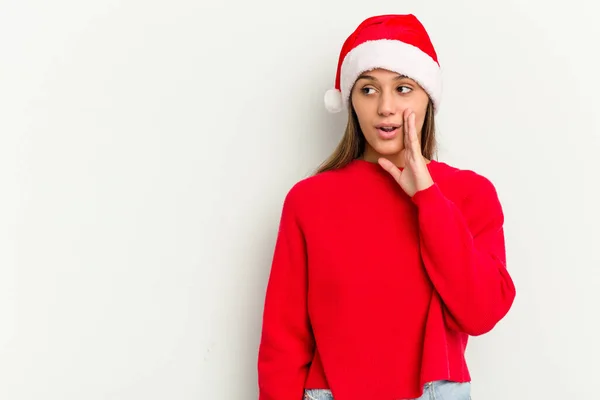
x=437 y=390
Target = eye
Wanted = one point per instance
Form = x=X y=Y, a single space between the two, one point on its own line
x=404 y=89
x=366 y=89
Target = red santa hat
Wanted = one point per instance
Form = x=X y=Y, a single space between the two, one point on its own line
x=398 y=43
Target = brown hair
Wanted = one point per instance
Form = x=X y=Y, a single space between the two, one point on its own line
x=352 y=144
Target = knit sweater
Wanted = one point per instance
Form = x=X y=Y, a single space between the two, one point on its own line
x=373 y=293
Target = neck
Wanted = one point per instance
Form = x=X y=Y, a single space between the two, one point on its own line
x=398 y=159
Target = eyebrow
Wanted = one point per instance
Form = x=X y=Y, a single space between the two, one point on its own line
x=372 y=78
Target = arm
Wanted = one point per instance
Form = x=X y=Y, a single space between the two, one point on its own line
x=287 y=346
x=462 y=249
x=464 y=255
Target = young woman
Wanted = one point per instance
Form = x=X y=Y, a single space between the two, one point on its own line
x=386 y=260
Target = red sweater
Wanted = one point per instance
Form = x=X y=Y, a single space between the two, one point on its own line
x=373 y=293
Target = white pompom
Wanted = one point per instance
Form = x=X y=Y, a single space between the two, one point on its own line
x=333 y=101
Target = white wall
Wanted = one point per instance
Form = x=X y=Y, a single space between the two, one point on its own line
x=146 y=148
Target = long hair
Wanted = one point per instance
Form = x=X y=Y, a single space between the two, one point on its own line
x=352 y=144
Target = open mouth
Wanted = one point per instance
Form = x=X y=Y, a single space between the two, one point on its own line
x=388 y=129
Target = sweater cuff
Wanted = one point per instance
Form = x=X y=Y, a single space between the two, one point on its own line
x=428 y=196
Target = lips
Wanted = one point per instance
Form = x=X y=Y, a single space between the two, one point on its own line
x=388 y=127
x=388 y=131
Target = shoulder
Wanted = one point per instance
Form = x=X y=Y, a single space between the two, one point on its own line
x=463 y=182
x=312 y=188
x=473 y=193
x=314 y=198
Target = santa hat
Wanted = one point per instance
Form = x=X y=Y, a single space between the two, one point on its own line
x=398 y=43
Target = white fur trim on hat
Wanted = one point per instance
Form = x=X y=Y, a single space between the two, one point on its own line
x=395 y=56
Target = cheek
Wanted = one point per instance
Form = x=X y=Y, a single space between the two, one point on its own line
x=421 y=122
x=359 y=105
x=420 y=117
x=363 y=112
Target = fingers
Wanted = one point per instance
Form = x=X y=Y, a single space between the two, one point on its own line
x=405 y=126
x=390 y=168
x=411 y=138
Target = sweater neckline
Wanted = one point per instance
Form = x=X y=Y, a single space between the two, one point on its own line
x=360 y=163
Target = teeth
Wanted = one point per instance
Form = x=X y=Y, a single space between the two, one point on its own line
x=388 y=128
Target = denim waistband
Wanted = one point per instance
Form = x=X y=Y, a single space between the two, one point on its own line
x=432 y=390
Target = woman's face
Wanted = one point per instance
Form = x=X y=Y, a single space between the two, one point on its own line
x=380 y=98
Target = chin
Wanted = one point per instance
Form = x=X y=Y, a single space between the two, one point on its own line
x=389 y=149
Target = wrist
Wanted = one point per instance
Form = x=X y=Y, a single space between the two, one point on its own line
x=425 y=184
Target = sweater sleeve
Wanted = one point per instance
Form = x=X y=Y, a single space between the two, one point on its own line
x=463 y=252
x=286 y=348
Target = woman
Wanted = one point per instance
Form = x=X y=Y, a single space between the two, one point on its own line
x=386 y=260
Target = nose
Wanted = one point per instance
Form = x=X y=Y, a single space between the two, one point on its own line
x=386 y=104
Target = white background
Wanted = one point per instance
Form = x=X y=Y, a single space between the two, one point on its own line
x=146 y=148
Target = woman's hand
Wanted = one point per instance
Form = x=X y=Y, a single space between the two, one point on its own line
x=415 y=175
